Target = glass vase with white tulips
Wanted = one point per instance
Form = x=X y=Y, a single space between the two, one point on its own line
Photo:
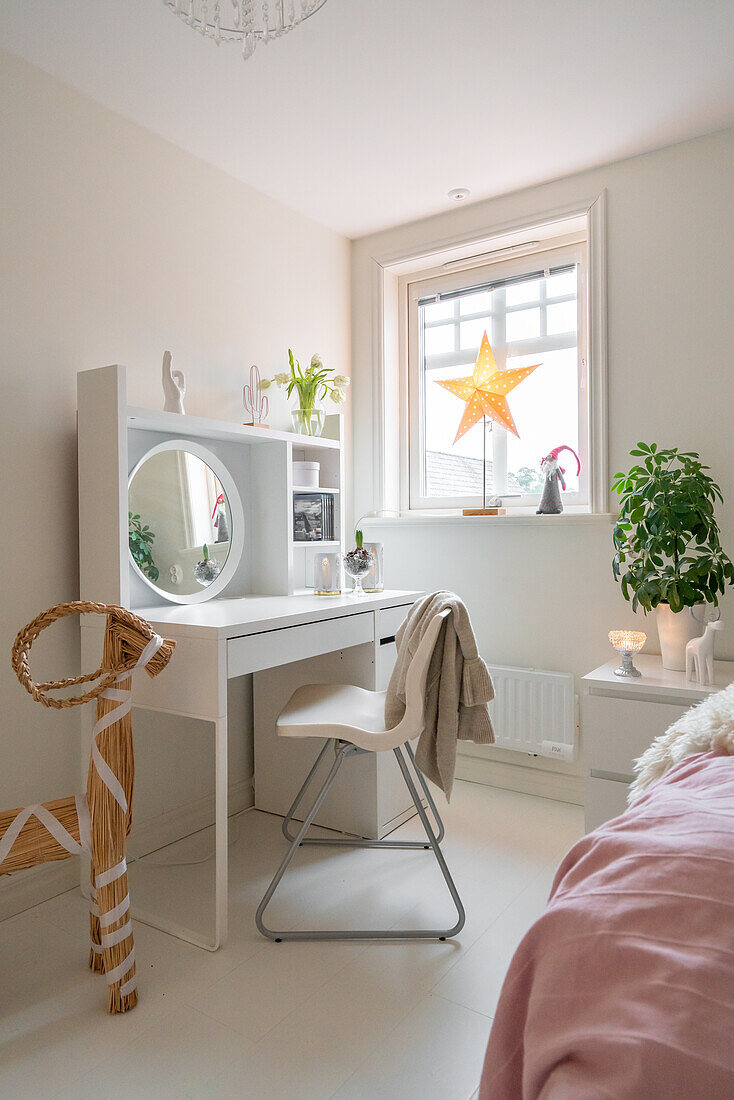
x=311 y=386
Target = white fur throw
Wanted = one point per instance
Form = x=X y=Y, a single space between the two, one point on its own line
x=707 y=726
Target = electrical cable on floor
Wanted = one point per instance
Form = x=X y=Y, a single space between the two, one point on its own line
x=193 y=862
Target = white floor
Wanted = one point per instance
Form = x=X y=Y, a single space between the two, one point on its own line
x=313 y=1020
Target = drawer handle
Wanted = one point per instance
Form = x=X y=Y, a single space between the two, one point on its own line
x=387 y=641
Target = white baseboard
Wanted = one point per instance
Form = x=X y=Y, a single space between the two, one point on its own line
x=514 y=777
x=148 y=836
x=24 y=889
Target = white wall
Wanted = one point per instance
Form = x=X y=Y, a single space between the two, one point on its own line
x=545 y=597
x=115 y=245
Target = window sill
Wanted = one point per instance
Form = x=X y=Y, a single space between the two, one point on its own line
x=518 y=516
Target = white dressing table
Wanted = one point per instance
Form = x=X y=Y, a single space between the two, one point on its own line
x=223 y=639
x=264 y=624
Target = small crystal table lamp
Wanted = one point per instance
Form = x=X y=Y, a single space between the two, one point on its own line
x=627 y=643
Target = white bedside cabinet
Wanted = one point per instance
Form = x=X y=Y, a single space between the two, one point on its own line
x=621 y=717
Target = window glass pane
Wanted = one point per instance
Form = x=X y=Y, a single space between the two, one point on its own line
x=545 y=406
x=438 y=340
x=438 y=311
x=473 y=331
x=523 y=324
x=545 y=410
x=519 y=293
x=474 y=303
x=451 y=470
x=557 y=285
x=561 y=317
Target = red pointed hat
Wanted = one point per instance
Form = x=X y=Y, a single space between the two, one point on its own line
x=557 y=450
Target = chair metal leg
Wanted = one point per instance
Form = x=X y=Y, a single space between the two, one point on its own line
x=360 y=842
x=435 y=845
x=297 y=800
x=429 y=797
x=277 y=936
x=374 y=933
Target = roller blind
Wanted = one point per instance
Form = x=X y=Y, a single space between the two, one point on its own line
x=495 y=284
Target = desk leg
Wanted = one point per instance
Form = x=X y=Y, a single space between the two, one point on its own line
x=221 y=846
x=222 y=833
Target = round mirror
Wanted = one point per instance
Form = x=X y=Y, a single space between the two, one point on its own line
x=185 y=522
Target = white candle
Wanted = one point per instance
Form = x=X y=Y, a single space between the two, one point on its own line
x=327 y=569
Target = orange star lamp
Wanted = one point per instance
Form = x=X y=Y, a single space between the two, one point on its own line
x=485 y=396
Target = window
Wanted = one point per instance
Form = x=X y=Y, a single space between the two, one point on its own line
x=533 y=310
x=199 y=492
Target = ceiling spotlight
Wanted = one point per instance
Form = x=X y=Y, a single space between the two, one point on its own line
x=459 y=194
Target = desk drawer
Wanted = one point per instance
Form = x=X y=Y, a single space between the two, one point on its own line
x=389 y=619
x=256 y=652
x=617 y=731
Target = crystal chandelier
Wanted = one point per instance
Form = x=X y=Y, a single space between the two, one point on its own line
x=246 y=21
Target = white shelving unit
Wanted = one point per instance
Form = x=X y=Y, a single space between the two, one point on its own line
x=331 y=474
x=230 y=650
x=200 y=427
x=313 y=489
x=113 y=437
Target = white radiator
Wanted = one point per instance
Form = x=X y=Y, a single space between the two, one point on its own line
x=534 y=711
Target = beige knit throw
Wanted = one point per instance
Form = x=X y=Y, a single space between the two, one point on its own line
x=458 y=687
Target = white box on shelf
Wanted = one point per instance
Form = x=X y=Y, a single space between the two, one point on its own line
x=306 y=474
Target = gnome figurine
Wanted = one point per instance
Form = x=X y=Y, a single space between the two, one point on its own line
x=550 y=502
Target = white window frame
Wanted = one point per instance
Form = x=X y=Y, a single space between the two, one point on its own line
x=550 y=255
x=382 y=485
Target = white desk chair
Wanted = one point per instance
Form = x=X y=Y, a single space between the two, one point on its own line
x=353 y=721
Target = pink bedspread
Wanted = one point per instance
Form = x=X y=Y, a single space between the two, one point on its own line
x=625 y=986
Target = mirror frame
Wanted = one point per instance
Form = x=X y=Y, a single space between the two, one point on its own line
x=237 y=543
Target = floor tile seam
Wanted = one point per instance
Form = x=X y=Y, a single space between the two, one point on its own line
x=378 y=1042
x=278 y=1023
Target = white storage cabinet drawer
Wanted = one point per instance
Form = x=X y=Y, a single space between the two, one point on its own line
x=617 y=731
x=389 y=620
x=604 y=799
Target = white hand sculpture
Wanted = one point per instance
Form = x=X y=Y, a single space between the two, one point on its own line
x=174 y=386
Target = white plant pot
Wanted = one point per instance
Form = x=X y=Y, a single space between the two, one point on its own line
x=675 y=631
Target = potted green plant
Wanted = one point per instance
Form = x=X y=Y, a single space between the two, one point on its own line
x=312 y=386
x=668 y=553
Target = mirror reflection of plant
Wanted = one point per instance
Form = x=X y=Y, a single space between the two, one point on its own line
x=666 y=537
x=313 y=384
x=140 y=540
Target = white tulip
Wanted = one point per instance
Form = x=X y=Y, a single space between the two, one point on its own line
x=341 y=380
x=282 y=378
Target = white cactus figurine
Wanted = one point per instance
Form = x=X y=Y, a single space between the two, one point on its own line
x=700 y=655
x=174 y=386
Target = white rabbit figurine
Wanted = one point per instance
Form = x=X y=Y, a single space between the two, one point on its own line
x=700 y=655
x=174 y=386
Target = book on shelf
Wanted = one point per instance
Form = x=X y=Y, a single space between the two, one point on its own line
x=313 y=517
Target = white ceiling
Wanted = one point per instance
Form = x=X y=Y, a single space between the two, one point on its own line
x=366 y=115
